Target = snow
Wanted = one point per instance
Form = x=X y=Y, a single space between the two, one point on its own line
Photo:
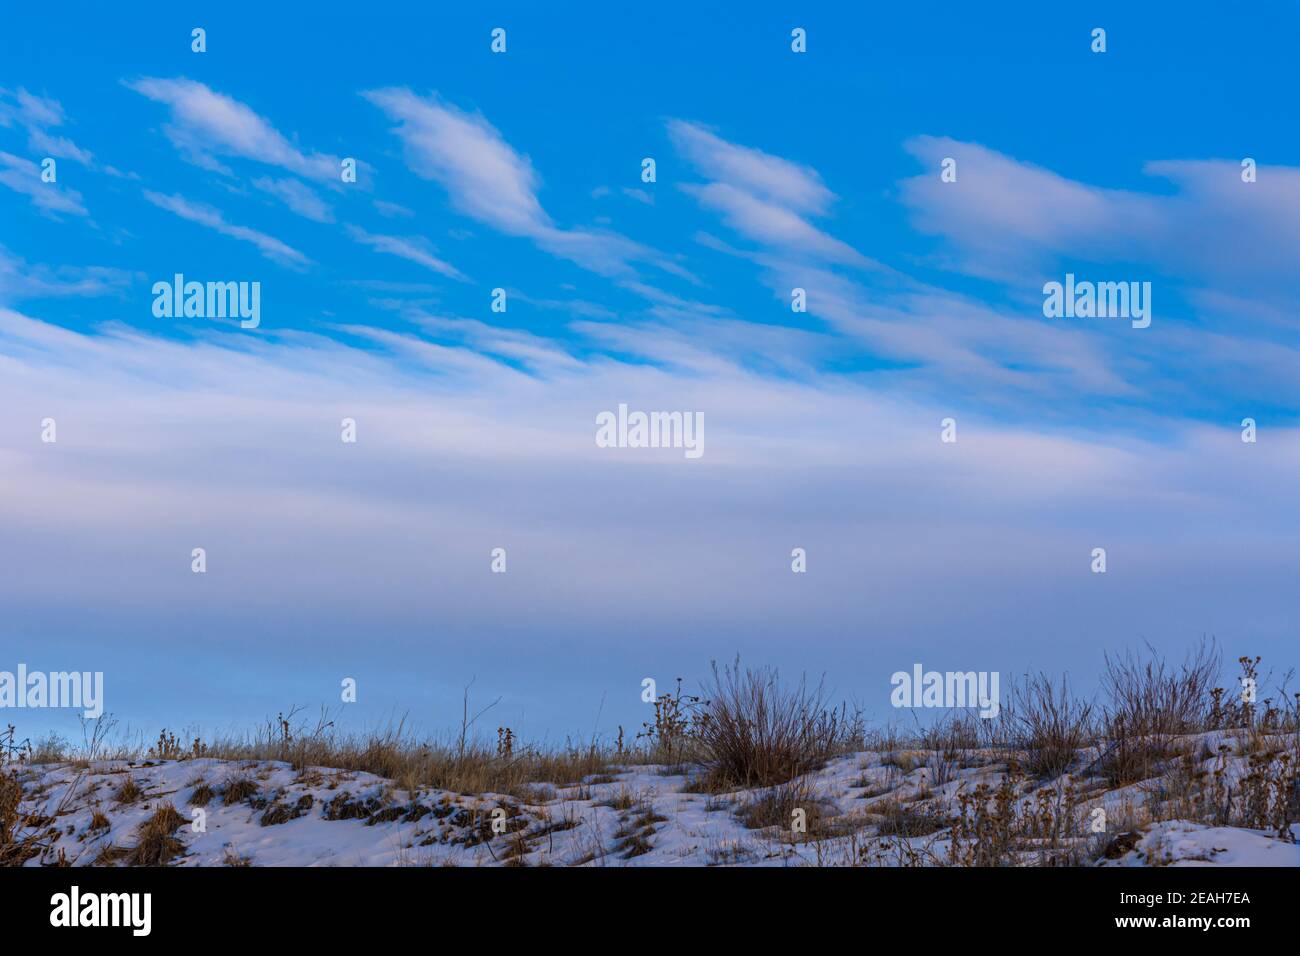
x=635 y=816
x=1184 y=843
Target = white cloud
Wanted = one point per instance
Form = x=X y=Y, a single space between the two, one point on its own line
x=204 y=215
x=297 y=196
x=1004 y=217
x=21 y=280
x=485 y=178
x=915 y=335
x=39 y=111
x=476 y=346
x=61 y=147
x=392 y=210
x=773 y=224
x=488 y=180
x=24 y=176
x=763 y=197
x=410 y=248
x=38 y=115
x=205 y=124
x=778 y=180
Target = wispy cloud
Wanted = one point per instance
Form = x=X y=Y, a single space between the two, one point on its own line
x=297 y=196
x=488 y=180
x=204 y=215
x=765 y=198
x=30 y=109
x=392 y=210
x=24 y=176
x=534 y=352
x=926 y=339
x=794 y=186
x=206 y=124
x=485 y=178
x=1004 y=218
x=772 y=224
x=38 y=115
x=20 y=279
x=412 y=248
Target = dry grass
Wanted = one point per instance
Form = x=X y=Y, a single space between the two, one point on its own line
x=623 y=800
x=110 y=855
x=202 y=795
x=752 y=732
x=1052 y=725
x=637 y=827
x=791 y=806
x=156 y=844
x=907 y=820
x=412 y=764
x=238 y=790
x=128 y=791
x=15 y=847
x=1150 y=704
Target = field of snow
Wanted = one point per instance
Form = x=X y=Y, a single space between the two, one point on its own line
x=1183 y=843
x=265 y=813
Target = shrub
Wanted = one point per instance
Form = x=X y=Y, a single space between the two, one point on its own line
x=155 y=844
x=238 y=789
x=1149 y=705
x=15 y=848
x=128 y=791
x=753 y=732
x=1052 y=725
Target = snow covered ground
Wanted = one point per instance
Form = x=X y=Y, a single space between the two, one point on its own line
x=1183 y=843
x=265 y=813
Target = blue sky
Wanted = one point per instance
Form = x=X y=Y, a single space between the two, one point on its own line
x=522 y=171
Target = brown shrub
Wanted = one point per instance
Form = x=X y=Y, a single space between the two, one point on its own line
x=754 y=732
x=156 y=844
x=1052 y=725
x=238 y=790
x=128 y=791
x=15 y=847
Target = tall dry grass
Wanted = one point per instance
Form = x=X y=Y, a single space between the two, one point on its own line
x=1051 y=725
x=1150 y=703
x=754 y=732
